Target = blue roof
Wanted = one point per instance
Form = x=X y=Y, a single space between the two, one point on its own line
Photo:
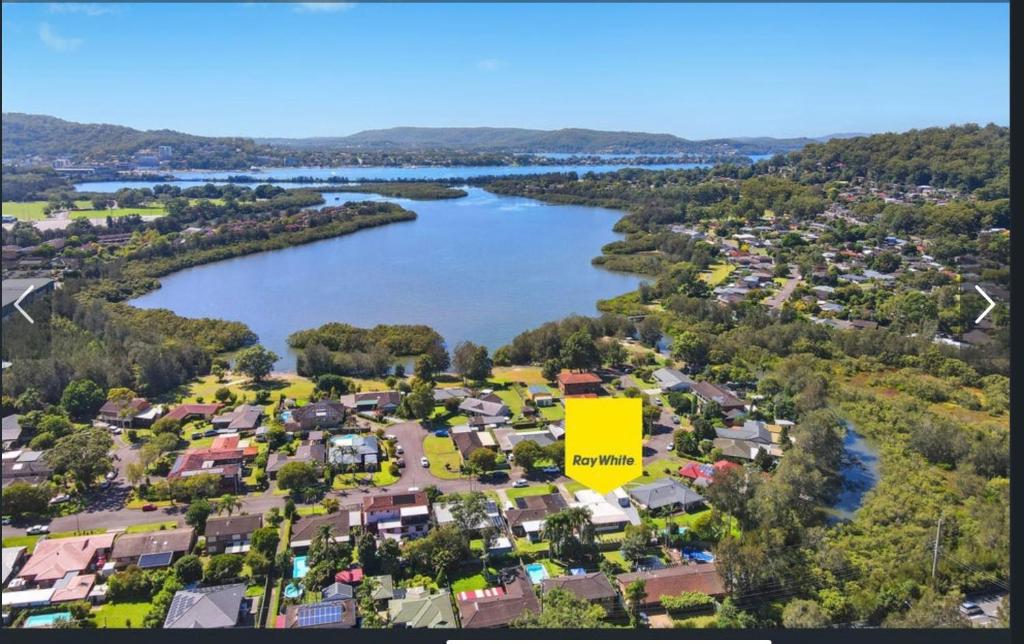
x=319 y=614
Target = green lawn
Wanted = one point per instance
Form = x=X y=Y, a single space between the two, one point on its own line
x=33 y=210
x=656 y=469
x=553 y=413
x=718 y=274
x=524 y=545
x=575 y=486
x=122 y=615
x=616 y=557
x=295 y=387
x=152 y=527
x=73 y=533
x=29 y=541
x=533 y=490
x=440 y=450
x=472 y=582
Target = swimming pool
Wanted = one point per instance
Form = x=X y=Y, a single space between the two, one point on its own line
x=292 y=591
x=299 y=567
x=537 y=572
x=695 y=554
x=47 y=620
x=286 y=415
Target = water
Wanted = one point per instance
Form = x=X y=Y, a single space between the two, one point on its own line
x=47 y=620
x=537 y=572
x=860 y=474
x=299 y=567
x=193 y=178
x=481 y=268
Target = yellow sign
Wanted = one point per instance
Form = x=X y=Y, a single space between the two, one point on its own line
x=603 y=439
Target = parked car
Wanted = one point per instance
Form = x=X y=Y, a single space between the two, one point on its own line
x=400 y=462
x=7 y=519
x=399 y=450
x=210 y=432
x=390 y=437
x=670 y=447
x=424 y=462
x=970 y=609
x=657 y=401
x=675 y=419
x=521 y=483
x=60 y=498
x=441 y=433
x=116 y=431
x=37 y=529
x=111 y=475
x=197 y=435
x=149 y=507
x=551 y=470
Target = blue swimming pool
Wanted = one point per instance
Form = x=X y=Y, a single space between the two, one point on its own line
x=537 y=572
x=695 y=554
x=299 y=567
x=292 y=591
x=47 y=620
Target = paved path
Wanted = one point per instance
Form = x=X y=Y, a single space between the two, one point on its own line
x=776 y=301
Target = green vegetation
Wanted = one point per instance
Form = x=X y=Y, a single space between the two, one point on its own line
x=408 y=190
x=441 y=452
x=122 y=614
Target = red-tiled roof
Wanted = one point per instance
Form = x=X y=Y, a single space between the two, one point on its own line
x=182 y=412
x=702 y=578
x=389 y=501
x=585 y=378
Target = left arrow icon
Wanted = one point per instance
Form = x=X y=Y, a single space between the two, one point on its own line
x=17 y=304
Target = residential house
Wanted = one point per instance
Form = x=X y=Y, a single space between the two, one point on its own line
x=242 y=419
x=399 y=516
x=304 y=529
x=137 y=412
x=156 y=549
x=541 y=396
x=194 y=411
x=707 y=392
x=13 y=558
x=224 y=606
x=323 y=414
x=592 y=587
x=507 y=441
x=579 y=384
x=604 y=515
x=381 y=402
x=672 y=379
x=53 y=559
x=325 y=614
x=745 y=441
x=468 y=442
x=25 y=466
x=443 y=516
x=226 y=463
x=441 y=396
x=526 y=518
x=307 y=452
x=418 y=608
x=11 y=431
x=499 y=606
x=665 y=495
x=383 y=589
x=701 y=578
x=359 y=450
x=74 y=587
x=231 y=534
x=337 y=592
x=480 y=407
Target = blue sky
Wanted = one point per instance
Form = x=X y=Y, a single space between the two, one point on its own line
x=696 y=71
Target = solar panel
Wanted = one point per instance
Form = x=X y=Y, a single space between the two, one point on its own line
x=156 y=560
x=320 y=614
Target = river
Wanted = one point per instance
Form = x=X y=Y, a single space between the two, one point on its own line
x=481 y=268
x=860 y=472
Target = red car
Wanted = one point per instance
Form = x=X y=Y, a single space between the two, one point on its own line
x=149 y=507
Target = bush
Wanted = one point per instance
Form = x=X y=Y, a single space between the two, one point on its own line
x=188 y=569
x=687 y=602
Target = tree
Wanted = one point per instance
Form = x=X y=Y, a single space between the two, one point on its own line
x=570 y=533
x=931 y=610
x=84 y=454
x=228 y=503
x=483 y=459
x=82 y=398
x=561 y=608
x=167 y=425
x=197 y=514
x=189 y=569
x=636 y=542
x=527 y=453
x=649 y=331
x=803 y=613
x=438 y=553
x=635 y=593
x=729 y=616
x=550 y=370
x=20 y=499
x=256 y=362
x=366 y=550
x=297 y=475
x=471 y=360
x=418 y=403
x=135 y=473
x=265 y=540
x=330 y=505
x=690 y=347
x=425 y=368
x=324 y=549
x=221 y=569
x=579 y=352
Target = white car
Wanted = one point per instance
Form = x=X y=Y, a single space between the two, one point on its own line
x=111 y=475
x=399 y=450
x=37 y=529
x=60 y=498
x=390 y=437
x=521 y=483
x=424 y=462
x=669 y=447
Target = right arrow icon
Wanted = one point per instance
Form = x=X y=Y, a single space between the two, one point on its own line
x=991 y=304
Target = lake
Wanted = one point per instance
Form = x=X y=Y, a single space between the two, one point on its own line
x=860 y=474
x=481 y=268
x=368 y=173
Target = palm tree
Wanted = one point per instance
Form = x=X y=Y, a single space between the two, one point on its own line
x=330 y=505
x=635 y=594
x=228 y=503
x=568 y=531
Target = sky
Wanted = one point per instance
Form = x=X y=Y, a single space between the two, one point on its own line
x=696 y=71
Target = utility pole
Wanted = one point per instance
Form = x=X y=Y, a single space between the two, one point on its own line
x=935 y=550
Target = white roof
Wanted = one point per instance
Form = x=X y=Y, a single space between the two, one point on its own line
x=601 y=510
x=415 y=511
x=532 y=526
x=27 y=597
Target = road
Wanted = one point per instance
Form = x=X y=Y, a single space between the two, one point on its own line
x=776 y=301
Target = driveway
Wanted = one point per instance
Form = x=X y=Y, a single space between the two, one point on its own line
x=777 y=300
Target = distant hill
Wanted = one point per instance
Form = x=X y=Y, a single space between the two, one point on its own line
x=28 y=135
x=569 y=140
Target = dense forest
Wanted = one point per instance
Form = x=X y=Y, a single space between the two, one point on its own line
x=345 y=350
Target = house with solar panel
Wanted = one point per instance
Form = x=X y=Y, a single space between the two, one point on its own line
x=328 y=614
x=152 y=549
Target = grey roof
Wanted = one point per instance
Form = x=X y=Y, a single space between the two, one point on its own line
x=480 y=407
x=211 y=607
x=14 y=288
x=385 y=587
x=593 y=586
x=542 y=437
x=10 y=559
x=441 y=395
x=754 y=431
x=11 y=428
x=337 y=591
x=665 y=492
x=243 y=524
x=672 y=377
x=420 y=610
